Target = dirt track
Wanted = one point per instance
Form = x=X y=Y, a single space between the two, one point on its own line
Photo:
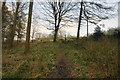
x=62 y=66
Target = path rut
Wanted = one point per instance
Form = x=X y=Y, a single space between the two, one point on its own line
x=62 y=66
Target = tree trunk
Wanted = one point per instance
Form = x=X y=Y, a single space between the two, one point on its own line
x=55 y=35
x=18 y=32
x=33 y=35
x=27 y=45
x=87 y=27
x=65 y=38
x=57 y=25
x=3 y=30
x=3 y=6
x=12 y=33
x=80 y=17
x=56 y=30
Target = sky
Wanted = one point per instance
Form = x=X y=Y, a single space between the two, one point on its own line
x=109 y=23
x=40 y=25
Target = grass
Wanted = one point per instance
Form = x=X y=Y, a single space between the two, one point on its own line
x=35 y=64
x=93 y=59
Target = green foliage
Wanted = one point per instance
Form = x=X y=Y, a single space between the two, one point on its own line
x=97 y=34
x=37 y=63
x=114 y=32
x=20 y=71
x=93 y=59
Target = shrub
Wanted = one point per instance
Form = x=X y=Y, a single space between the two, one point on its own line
x=97 y=34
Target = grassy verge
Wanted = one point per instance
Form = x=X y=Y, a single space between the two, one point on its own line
x=35 y=64
x=93 y=59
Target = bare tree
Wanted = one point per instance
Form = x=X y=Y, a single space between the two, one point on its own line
x=86 y=20
x=3 y=7
x=56 y=11
x=12 y=33
x=3 y=19
x=7 y=23
x=20 y=28
x=93 y=12
x=80 y=18
x=27 y=44
x=13 y=23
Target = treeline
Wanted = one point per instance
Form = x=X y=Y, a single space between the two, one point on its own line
x=13 y=21
x=17 y=22
x=113 y=33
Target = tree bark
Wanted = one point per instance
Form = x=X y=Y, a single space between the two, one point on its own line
x=86 y=20
x=87 y=28
x=55 y=35
x=65 y=38
x=27 y=44
x=12 y=33
x=56 y=30
x=3 y=30
x=33 y=33
x=80 y=17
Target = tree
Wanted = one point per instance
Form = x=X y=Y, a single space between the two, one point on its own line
x=7 y=21
x=114 y=32
x=92 y=13
x=27 y=44
x=86 y=20
x=20 y=31
x=80 y=17
x=97 y=33
x=10 y=11
x=20 y=26
x=56 y=11
x=3 y=20
x=12 y=33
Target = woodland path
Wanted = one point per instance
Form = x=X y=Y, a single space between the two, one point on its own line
x=62 y=65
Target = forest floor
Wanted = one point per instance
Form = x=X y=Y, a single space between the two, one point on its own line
x=73 y=59
x=61 y=68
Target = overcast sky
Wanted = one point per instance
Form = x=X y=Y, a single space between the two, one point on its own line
x=41 y=25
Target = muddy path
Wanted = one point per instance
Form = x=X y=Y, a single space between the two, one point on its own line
x=62 y=66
